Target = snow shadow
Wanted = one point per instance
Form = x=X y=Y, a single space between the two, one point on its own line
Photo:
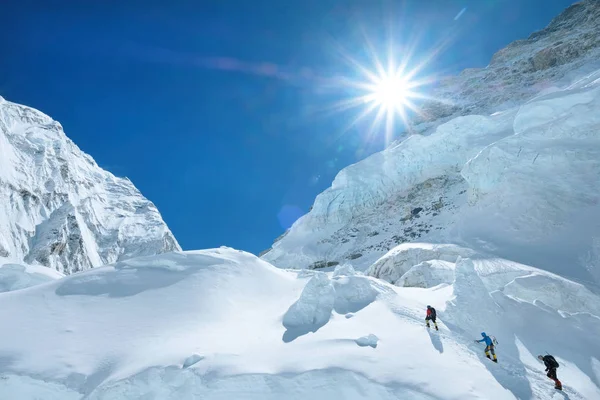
x=564 y=395
x=327 y=383
x=312 y=310
x=511 y=375
x=191 y=360
x=6 y=361
x=292 y=334
x=320 y=297
x=86 y=384
x=436 y=341
x=369 y=340
x=512 y=378
x=550 y=330
x=352 y=293
x=121 y=283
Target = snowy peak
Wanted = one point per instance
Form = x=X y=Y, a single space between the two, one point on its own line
x=520 y=70
x=520 y=183
x=59 y=209
x=578 y=16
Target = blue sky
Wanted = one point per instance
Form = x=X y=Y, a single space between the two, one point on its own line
x=215 y=108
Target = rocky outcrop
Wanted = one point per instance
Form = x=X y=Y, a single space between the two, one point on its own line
x=519 y=70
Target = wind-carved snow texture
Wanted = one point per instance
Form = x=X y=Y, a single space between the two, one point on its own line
x=521 y=184
x=344 y=293
x=402 y=259
x=313 y=308
x=208 y=325
x=428 y=266
x=59 y=209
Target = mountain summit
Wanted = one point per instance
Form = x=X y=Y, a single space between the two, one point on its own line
x=59 y=209
x=520 y=70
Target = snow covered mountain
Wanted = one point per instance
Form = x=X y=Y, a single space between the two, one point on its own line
x=223 y=324
x=484 y=216
x=59 y=209
x=521 y=69
x=521 y=183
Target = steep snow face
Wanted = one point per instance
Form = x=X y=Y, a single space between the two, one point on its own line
x=521 y=184
x=59 y=209
x=539 y=189
x=510 y=168
x=222 y=323
x=408 y=191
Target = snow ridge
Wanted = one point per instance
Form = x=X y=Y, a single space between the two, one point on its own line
x=59 y=209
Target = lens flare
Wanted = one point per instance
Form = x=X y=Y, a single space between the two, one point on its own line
x=387 y=87
x=390 y=92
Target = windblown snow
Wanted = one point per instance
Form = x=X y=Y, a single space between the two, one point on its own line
x=59 y=209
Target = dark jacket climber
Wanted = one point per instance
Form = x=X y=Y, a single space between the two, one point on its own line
x=551 y=365
x=431 y=316
x=489 y=346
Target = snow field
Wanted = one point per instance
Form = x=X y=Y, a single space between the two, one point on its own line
x=219 y=323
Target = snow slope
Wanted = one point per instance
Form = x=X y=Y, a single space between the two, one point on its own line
x=59 y=209
x=19 y=276
x=522 y=184
x=221 y=323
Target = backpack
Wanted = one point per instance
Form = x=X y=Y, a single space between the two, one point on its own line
x=552 y=361
x=433 y=315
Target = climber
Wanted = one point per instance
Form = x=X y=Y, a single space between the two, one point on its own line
x=489 y=346
x=431 y=315
x=551 y=365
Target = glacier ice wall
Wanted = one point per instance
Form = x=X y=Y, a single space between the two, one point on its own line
x=521 y=184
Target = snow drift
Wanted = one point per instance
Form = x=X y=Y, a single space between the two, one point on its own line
x=215 y=324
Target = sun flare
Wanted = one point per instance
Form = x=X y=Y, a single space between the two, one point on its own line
x=390 y=92
x=387 y=88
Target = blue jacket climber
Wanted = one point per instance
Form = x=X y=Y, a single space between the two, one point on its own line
x=489 y=347
x=486 y=339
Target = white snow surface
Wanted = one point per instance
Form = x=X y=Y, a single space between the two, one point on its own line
x=454 y=218
x=221 y=323
x=59 y=209
x=521 y=185
x=20 y=276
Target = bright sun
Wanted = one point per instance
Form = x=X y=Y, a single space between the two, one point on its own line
x=390 y=92
x=387 y=88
